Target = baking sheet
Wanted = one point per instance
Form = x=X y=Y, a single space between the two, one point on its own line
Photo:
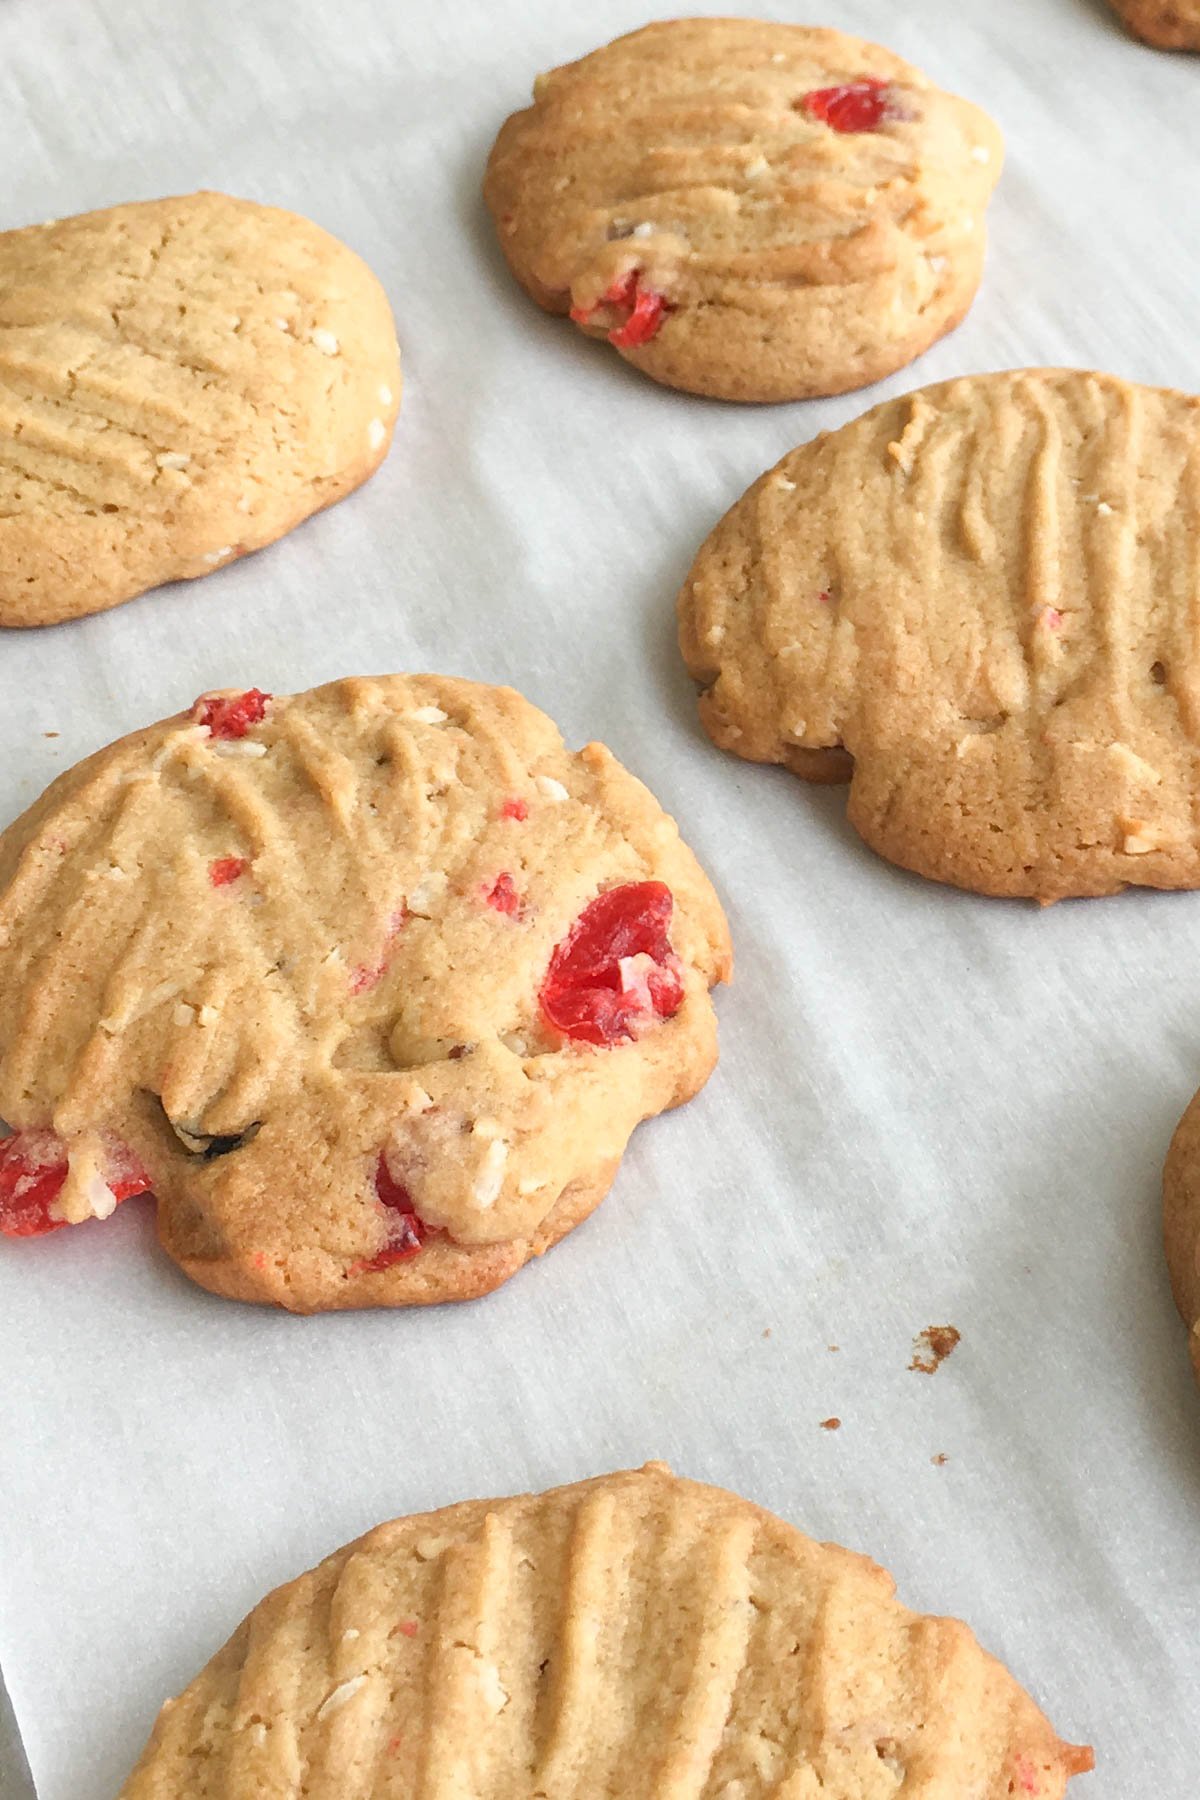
x=931 y=1108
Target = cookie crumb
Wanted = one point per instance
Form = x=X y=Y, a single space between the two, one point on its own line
x=767 y=1332
x=833 y=1424
x=932 y=1346
x=49 y=734
x=940 y=1460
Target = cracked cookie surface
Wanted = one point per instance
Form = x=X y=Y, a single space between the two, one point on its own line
x=749 y=211
x=182 y=381
x=370 y=985
x=1167 y=24
x=977 y=603
x=637 y=1635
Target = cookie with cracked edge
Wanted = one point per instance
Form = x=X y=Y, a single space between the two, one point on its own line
x=1166 y=24
x=370 y=985
x=635 y=1635
x=182 y=381
x=1181 y=1223
x=976 y=603
x=749 y=211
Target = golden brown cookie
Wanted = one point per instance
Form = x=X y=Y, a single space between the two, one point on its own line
x=978 y=604
x=1181 y=1223
x=750 y=211
x=636 y=1636
x=181 y=382
x=1167 y=24
x=370 y=985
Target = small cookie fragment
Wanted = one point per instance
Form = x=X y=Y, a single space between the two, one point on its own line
x=182 y=381
x=746 y=210
x=637 y=1634
x=976 y=604
x=1165 y=24
x=370 y=984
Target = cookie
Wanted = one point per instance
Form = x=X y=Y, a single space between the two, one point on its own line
x=635 y=1635
x=181 y=382
x=977 y=604
x=1181 y=1223
x=370 y=985
x=749 y=211
x=1167 y=24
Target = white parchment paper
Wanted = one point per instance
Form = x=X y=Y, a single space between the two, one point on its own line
x=930 y=1108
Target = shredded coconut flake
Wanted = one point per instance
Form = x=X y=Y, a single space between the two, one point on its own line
x=428 y=891
x=781 y=481
x=172 y=459
x=340 y=1696
x=428 y=1549
x=644 y=230
x=1104 y=509
x=429 y=715
x=350 y=1634
x=759 y=166
x=324 y=341
x=552 y=789
x=237 y=747
x=100 y=1200
x=491 y=1179
x=385 y=395
x=493 y=1690
x=376 y=432
x=184 y=1014
x=980 y=153
x=216 y=556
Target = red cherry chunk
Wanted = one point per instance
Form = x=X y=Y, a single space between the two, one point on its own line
x=854 y=106
x=503 y=895
x=644 y=307
x=231 y=716
x=615 y=971
x=33 y=1168
x=407 y=1231
x=226 y=869
x=33 y=1171
x=515 y=808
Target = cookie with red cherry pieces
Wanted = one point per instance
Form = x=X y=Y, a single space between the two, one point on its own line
x=977 y=604
x=635 y=1635
x=1167 y=24
x=748 y=211
x=370 y=984
x=181 y=382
